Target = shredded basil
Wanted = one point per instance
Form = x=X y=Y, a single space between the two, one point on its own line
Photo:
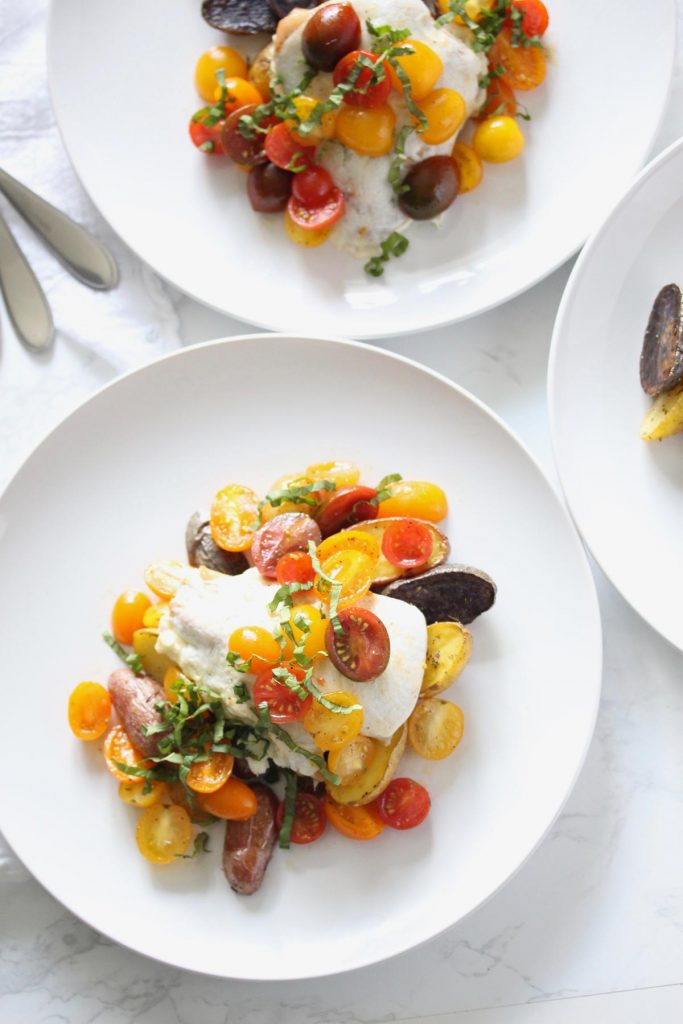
x=395 y=245
x=383 y=487
x=132 y=660
x=200 y=845
x=327 y=584
x=289 y=811
x=397 y=163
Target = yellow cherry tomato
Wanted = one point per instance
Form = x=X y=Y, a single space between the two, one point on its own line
x=233 y=517
x=498 y=139
x=239 y=93
x=313 y=633
x=128 y=615
x=445 y=111
x=283 y=483
x=89 y=711
x=470 y=167
x=164 y=832
x=350 y=761
x=423 y=68
x=473 y=9
x=332 y=730
x=308 y=237
x=304 y=106
x=152 y=617
x=164 y=578
x=257 y=644
x=343 y=474
x=217 y=58
x=142 y=796
x=354 y=570
x=435 y=728
x=349 y=540
x=171 y=677
x=368 y=131
x=417 y=499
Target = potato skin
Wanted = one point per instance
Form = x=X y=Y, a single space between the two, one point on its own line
x=386 y=572
x=248 y=845
x=290 y=531
x=203 y=550
x=134 y=699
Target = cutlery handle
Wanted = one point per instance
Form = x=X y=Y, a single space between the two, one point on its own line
x=24 y=298
x=83 y=255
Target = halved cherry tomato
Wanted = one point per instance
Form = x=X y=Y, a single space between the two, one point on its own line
x=234 y=801
x=333 y=729
x=135 y=795
x=206 y=137
x=303 y=236
x=317 y=217
x=243 y=151
x=347 y=506
x=535 y=18
x=435 y=728
x=208 y=776
x=284 y=483
x=312 y=635
x=321 y=130
x=257 y=644
x=343 y=474
x=403 y=804
x=89 y=711
x=164 y=578
x=525 y=66
x=152 y=617
x=217 y=58
x=285 y=151
x=309 y=818
x=284 y=705
x=407 y=544
x=312 y=187
x=237 y=92
x=349 y=540
x=118 y=750
x=295 y=567
x=128 y=615
x=233 y=516
x=350 y=761
x=163 y=833
x=361 y=650
x=470 y=167
x=172 y=679
x=353 y=822
x=416 y=499
x=363 y=94
x=500 y=99
x=355 y=573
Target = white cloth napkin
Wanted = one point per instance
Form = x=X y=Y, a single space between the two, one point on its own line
x=126 y=327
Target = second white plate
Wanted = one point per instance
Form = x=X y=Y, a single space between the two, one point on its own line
x=121 y=79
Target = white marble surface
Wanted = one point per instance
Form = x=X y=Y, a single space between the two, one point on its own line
x=598 y=908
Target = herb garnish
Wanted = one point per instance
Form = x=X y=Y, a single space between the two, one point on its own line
x=328 y=586
x=397 y=163
x=302 y=494
x=201 y=845
x=489 y=24
x=281 y=734
x=289 y=811
x=383 y=491
x=132 y=660
x=395 y=245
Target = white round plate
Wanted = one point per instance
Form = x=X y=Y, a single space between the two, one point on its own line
x=121 y=79
x=111 y=490
x=626 y=495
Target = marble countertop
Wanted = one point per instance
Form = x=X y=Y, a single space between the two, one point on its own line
x=590 y=928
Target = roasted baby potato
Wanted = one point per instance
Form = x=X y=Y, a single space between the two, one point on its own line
x=376 y=776
x=449 y=645
x=144 y=644
x=135 y=700
x=447 y=593
x=243 y=17
x=661 y=360
x=665 y=417
x=203 y=550
x=260 y=69
x=386 y=572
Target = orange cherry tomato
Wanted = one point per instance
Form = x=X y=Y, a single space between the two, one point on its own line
x=234 y=801
x=355 y=572
x=445 y=110
x=217 y=58
x=118 y=750
x=135 y=795
x=295 y=567
x=233 y=517
x=324 y=129
x=164 y=578
x=368 y=131
x=353 y=822
x=208 y=776
x=349 y=540
x=257 y=644
x=164 y=832
x=238 y=93
x=128 y=614
x=89 y=711
x=332 y=730
x=500 y=99
x=525 y=66
x=171 y=677
x=423 y=68
x=343 y=474
x=435 y=728
x=470 y=167
x=416 y=499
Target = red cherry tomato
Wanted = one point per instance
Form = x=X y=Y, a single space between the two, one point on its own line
x=309 y=818
x=403 y=804
x=243 y=151
x=284 y=151
x=312 y=187
x=361 y=650
x=535 y=16
x=407 y=543
x=283 y=704
x=374 y=95
x=347 y=506
x=295 y=567
x=206 y=137
x=316 y=217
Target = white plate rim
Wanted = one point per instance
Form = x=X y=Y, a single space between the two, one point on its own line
x=582 y=562
x=573 y=247
x=581 y=267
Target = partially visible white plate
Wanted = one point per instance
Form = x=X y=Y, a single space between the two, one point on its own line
x=111 y=489
x=121 y=80
x=626 y=496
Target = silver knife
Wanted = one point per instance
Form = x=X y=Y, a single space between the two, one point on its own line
x=24 y=298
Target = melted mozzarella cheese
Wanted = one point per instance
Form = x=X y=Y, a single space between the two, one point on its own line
x=209 y=606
